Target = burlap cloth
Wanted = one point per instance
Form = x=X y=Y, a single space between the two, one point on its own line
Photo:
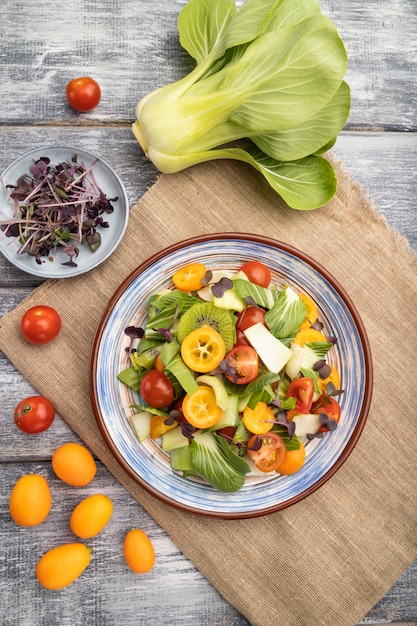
x=331 y=557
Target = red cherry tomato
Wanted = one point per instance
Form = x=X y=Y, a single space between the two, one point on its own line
x=271 y=453
x=250 y=316
x=40 y=324
x=257 y=273
x=228 y=432
x=34 y=414
x=83 y=94
x=241 y=338
x=302 y=389
x=244 y=360
x=328 y=405
x=156 y=389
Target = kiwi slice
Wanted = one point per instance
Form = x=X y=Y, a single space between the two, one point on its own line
x=207 y=314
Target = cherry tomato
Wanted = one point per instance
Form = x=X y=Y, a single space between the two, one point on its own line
x=34 y=414
x=257 y=273
x=189 y=277
x=244 y=359
x=258 y=420
x=156 y=389
x=83 y=94
x=302 y=389
x=328 y=405
x=241 y=338
x=270 y=455
x=250 y=316
x=294 y=460
x=40 y=324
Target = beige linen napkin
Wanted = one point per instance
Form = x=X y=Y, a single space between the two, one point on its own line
x=328 y=559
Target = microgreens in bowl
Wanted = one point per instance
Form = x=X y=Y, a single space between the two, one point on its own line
x=57 y=206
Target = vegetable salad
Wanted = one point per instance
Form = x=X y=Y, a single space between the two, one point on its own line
x=232 y=375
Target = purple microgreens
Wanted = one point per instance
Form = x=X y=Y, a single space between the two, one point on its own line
x=317 y=325
x=220 y=287
x=133 y=332
x=187 y=429
x=318 y=435
x=327 y=422
x=57 y=207
x=167 y=331
x=173 y=417
x=282 y=420
x=331 y=339
x=324 y=370
x=207 y=278
x=228 y=370
x=332 y=391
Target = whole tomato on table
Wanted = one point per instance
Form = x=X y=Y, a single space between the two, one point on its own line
x=34 y=414
x=83 y=94
x=40 y=324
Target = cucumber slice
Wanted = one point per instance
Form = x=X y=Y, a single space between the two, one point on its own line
x=141 y=424
x=173 y=439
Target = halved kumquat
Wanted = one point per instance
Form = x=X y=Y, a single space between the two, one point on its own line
x=200 y=408
x=189 y=278
x=203 y=349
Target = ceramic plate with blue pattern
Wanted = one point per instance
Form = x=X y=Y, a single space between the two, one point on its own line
x=145 y=462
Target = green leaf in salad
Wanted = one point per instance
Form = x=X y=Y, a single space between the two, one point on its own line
x=313 y=352
x=130 y=377
x=164 y=310
x=183 y=374
x=263 y=296
x=213 y=460
x=291 y=442
x=287 y=314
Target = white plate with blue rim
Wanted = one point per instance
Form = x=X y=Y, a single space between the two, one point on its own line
x=53 y=262
x=112 y=401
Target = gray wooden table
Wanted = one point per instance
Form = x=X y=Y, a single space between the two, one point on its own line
x=131 y=47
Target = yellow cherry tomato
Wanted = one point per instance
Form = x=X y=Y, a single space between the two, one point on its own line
x=294 y=460
x=200 y=408
x=203 y=349
x=189 y=278
x=309 y=335
x=258 y=420
x=312 y=311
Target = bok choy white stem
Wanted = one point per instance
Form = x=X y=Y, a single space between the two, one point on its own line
x=268 y=89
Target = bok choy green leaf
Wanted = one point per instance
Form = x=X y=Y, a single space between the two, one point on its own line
x=268 y=89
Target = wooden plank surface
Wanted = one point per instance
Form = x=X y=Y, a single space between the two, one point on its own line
x=131 y=47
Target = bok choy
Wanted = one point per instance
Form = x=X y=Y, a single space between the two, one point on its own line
x=268 y=89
